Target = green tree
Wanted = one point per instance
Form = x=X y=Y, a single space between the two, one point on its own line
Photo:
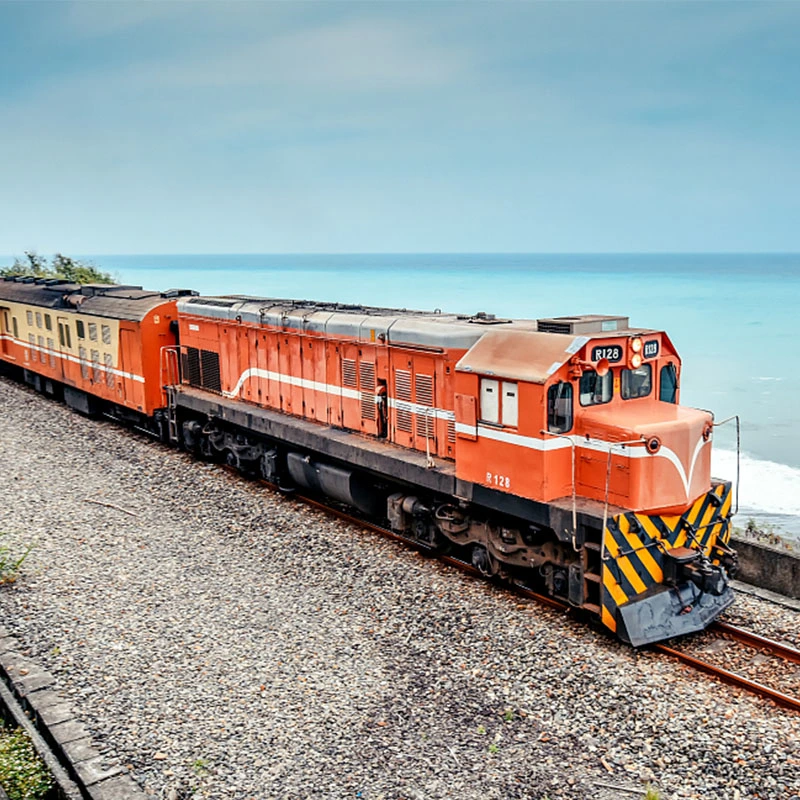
x=60 y=266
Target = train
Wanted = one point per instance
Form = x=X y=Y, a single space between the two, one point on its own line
x=552 y=453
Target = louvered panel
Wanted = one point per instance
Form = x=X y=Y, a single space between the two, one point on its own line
x=426 y=419
x=451 y=431
x=367 y=380
x=209 y=370
x=349 y=373
x=402 y=382
x=191 y=366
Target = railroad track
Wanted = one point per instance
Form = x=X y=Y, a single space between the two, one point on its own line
x=781 y=655
x=762 y=656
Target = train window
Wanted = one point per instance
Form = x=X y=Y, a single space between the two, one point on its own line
x=510 y=404
x=42 y=354
x=107 y=358
x=29 y=317
x=637 y=382
x=48 y=322
x=29 y=350
x=559 y=407
x=16 y=327
x=596 y=389
x=95 y=366
x=84 y=362
x=93 y=331
x=68 y=335
x=38 y=319
x=51 y=346
x=669 y=384
x=490 y=407
x=80 y=329
x=106 y=331
x=6 y=326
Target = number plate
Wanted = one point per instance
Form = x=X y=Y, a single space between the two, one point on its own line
x=612 y=353
x=651 y=348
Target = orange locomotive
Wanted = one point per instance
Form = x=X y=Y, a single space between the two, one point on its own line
x=551 y=452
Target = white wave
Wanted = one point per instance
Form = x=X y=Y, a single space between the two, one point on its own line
x=764 y=485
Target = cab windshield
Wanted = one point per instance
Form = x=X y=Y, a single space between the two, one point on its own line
x=596 y=389
x=637 y=382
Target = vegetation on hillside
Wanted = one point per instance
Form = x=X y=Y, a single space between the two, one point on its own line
x=60 y=266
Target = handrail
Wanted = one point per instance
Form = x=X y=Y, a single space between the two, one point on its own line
x=571 y=440
x=738 y=452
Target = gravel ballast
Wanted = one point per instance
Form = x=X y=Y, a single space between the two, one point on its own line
x=224 y=640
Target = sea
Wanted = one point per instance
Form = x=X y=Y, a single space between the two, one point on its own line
x=732 y=317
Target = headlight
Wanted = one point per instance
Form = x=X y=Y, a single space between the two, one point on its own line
x=636 y=345
x=636 y=360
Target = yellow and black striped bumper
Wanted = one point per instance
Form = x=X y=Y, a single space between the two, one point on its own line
x=636 y=554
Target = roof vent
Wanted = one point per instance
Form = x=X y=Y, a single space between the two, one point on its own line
x=586 y=323
x=482 y=318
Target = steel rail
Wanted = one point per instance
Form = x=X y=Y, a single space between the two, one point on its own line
x=732 y=678
x=760 y=642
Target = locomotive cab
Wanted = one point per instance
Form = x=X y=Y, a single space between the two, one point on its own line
x=597 y=427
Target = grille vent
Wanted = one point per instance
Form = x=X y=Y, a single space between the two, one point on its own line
x=554 y=327
x=191 y=366
x=201 y=368
x=451 y=431
x=402 y=381
x=426 y=419
x=349 y=373
x=209 y=370
x=367 y=377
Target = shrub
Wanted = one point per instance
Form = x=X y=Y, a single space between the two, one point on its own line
x=22 y=773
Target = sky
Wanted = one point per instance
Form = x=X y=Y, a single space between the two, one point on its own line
x=279 y=127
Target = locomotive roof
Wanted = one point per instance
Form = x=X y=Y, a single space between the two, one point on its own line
x=431 y=328
x=103 y=300
x=395 y=325
x=530 y=356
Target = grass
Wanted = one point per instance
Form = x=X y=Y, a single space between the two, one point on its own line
x=23 y=774
x=768 y=535
x=10 y=563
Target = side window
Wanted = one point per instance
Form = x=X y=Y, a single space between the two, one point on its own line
x=510 y=404
x=6 y=327
x=93 y=331
x=16 y=327
x=490 y=404
x=48 y=322
x=29 y=317
x=637 y=382
x=595 y=389
x=668 y=392
x=80 y=329
x=106 y=333
x=38 y=319
x=559 y=407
